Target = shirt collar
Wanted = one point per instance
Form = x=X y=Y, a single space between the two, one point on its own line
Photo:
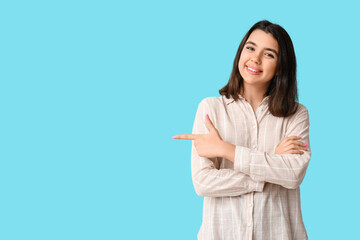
x=231 y=99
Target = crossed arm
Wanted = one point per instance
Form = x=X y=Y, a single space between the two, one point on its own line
x=252 y=168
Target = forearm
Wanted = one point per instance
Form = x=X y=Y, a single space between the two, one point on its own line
x=228 y=151
x=287 y=170
x=209 y=181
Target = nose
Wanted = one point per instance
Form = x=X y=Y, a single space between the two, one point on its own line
x=256 y=58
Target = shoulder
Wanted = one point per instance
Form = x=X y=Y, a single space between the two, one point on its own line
x=212 y=102
x=301 y=110
x=301 y=114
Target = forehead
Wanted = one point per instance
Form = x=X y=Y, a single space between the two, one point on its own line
x=263 y=39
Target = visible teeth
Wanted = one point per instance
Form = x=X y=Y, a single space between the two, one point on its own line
x=253 y=70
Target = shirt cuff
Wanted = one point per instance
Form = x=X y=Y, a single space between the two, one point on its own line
x=242 y=159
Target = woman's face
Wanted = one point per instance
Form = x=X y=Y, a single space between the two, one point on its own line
x=259 y=59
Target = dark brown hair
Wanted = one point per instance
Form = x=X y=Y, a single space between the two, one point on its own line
x=282 y=90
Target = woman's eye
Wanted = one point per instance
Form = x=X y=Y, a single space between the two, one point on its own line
x=250 y=48
x=270 y=55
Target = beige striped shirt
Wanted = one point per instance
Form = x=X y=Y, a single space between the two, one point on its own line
x=257 y=196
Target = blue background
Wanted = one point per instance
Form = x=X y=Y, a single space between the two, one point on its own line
x=91 y=93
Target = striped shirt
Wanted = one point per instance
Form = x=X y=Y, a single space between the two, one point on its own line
x=257 y=196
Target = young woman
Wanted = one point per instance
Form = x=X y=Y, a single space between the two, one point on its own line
x=251 y=147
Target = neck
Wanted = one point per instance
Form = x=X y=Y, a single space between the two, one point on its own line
x=254 y=95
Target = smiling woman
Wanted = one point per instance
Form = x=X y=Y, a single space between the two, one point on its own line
x=251 y=146
x=258 y=63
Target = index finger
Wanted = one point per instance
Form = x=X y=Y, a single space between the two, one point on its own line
x=186 y=136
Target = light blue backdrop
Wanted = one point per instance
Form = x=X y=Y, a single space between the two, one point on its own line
x=91 y=93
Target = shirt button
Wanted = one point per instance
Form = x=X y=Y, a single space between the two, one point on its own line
x=254 y=126
x=254 y=146
x=249 y=224
x=250 y=204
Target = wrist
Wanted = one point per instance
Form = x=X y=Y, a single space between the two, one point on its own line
x=228 y=151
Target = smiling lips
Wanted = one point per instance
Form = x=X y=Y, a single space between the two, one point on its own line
x=253 y=70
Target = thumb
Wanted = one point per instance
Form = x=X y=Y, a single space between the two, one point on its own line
x=209 y=124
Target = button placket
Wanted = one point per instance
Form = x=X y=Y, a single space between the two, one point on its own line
x=254 y=130
x=250 y=211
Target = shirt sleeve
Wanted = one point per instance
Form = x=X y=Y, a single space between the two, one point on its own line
x=209 y=181
x=287 y=170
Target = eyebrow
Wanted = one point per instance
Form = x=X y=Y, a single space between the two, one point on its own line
x=269 y=49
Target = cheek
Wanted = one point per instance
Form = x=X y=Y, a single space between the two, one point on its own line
x=241 y=67
x=241 y=62
x=272 y=68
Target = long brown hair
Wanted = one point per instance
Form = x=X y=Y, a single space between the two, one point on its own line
x=282 y=90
